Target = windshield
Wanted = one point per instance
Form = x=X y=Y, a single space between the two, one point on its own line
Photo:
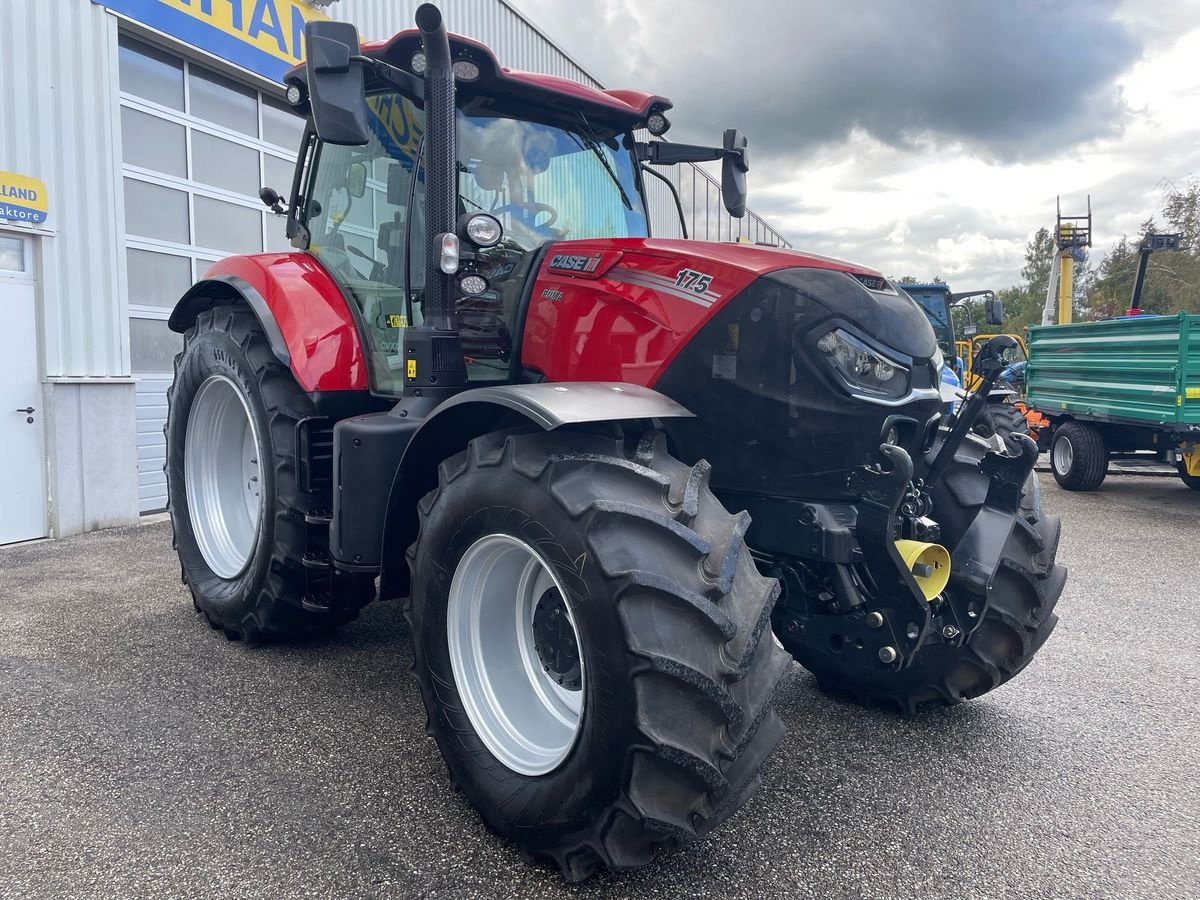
x=543 y=182
x=936 y=307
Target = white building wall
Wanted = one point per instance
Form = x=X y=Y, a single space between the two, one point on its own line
x=58 y=104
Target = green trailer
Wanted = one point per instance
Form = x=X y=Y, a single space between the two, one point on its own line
x=1119 y=388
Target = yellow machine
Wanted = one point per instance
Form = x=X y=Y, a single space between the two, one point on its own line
x=968 y=349
x=1072 y=237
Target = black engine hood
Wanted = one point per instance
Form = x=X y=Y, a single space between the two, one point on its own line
x=890 y=317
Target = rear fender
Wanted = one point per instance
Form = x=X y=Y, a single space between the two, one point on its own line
x=307 y=319
x=450 y=427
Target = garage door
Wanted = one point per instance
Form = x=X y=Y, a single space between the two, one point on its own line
x=197 y=145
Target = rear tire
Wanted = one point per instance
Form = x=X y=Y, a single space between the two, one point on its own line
x=1078 y=457
x=226 y=351
x=678 y=667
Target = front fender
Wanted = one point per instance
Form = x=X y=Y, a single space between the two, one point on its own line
x=447 y=430
x=306 y=317
x=573 y=403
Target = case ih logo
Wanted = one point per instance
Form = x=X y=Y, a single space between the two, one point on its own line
x=566 y=262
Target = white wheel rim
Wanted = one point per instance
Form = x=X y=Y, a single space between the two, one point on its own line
x=1063 y=455
x=523 y=715
x=221 y=476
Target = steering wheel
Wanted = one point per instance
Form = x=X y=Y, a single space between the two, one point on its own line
x=532 y=210
x=376 y=265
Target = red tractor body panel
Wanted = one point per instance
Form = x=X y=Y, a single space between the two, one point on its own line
x=313 y=315
x=600 y=310
x=620 y=309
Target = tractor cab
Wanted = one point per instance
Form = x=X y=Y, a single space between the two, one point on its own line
x=938 y=303
x=537 y=160
x=522 y=183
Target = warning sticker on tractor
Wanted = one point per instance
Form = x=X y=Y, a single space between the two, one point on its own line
x=412 y=368
x=395 y=321
x=724 y=366
x=1193 y=393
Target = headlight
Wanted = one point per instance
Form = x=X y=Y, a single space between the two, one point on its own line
x=481 y=229
x=861 y=369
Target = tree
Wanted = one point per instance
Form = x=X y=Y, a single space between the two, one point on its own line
x=1023 y=302
x=1172 y=278
x=1181 y=209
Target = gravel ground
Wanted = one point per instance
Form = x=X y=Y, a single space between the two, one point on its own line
x=143 y=755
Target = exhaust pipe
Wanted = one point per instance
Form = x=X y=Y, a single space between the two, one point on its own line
x=441 y=167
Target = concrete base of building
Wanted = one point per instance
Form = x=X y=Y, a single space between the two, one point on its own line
x=91 y=450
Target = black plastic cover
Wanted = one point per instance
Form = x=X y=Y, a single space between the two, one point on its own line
x=770 y=415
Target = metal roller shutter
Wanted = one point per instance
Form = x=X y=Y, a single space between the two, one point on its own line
x=196 y=147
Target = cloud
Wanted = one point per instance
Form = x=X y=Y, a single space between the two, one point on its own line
x=1008 y=80
x=921 y=138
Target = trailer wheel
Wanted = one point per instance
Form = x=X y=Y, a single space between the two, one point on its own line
x=1017 y=607
x=1078 y=457
x=593 y=646
x=1192 y=481
x=237 y=509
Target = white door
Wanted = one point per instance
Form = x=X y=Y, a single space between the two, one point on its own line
x=22 y=483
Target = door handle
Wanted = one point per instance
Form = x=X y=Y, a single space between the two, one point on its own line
x=27 y=410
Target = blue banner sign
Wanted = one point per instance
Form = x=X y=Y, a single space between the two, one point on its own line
x=264 y=36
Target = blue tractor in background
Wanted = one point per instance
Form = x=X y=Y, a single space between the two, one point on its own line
x=937 y=301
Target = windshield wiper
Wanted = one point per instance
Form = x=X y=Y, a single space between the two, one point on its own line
x=594 y=145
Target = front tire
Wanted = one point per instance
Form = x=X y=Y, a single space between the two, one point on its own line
x=1017 y=607
x=664 y=714
x=1078 y=457
x=237 y=507
x=1192 y=481
x=1002 y=420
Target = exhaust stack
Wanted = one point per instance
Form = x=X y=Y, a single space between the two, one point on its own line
x=441 y=176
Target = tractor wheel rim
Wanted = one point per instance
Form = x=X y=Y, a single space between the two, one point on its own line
x=221 y=476
x=524 y=697
x=1064 y=456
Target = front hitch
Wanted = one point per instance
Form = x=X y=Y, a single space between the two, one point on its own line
x=899 y=599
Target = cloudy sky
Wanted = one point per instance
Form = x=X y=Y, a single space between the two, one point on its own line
x=924 y=137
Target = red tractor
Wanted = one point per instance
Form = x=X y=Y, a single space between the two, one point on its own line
x=621 y=481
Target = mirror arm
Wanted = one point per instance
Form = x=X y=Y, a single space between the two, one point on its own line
x=660 y=153
x=405 y=82
x=963 y=295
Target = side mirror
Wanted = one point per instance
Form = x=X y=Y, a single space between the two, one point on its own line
x=734 y=166
x=356 y=180
x=989 y=359
x=335 y=83
x=993 y=310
